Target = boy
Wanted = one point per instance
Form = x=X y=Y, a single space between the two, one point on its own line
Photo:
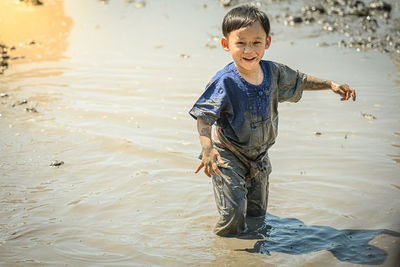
x=241 y=102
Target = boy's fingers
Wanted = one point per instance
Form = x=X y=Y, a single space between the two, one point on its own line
x=207 y=170
x=220 y=161
x=353 y=93
x=200 y=167
x=347 y=96
x=215 y=169
x=340 y=91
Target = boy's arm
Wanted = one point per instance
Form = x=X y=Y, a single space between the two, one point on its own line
x=345 y=91
x=210 y=156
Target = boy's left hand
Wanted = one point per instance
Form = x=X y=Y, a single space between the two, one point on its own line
x=344 y=90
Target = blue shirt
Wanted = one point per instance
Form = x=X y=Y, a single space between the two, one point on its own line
x=246 y=113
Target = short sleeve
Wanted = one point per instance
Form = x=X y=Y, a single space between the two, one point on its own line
x=210 y=104
x=290 y=84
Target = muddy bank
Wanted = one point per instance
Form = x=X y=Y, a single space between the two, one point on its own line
x=356 y=24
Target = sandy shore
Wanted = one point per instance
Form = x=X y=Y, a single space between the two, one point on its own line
x=105 y=86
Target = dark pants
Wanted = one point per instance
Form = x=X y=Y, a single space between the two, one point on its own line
x=236 y=196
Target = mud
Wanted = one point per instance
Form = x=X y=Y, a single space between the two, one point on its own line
x=112 y=84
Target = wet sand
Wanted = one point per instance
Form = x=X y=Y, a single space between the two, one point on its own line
x=112 y=83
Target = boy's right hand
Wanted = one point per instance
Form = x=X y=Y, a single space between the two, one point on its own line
x=210 y=160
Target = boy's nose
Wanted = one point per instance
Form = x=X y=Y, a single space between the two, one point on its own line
x=248 y=48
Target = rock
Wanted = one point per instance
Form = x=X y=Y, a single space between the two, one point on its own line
x=56 y=163
x=228 y=3
x=292 y=21
x=380 y=6
x=312 y=10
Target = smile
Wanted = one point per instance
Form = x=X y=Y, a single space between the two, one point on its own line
x=249 y=59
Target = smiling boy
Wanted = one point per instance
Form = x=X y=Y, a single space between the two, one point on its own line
x=241 y=101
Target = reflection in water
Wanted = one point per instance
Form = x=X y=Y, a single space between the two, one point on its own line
x=292 y=236
x=34 y=32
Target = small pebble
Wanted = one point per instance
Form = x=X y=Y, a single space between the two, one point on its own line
x=368 y=116
x=317 y=133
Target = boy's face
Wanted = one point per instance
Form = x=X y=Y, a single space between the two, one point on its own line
x=247 y=46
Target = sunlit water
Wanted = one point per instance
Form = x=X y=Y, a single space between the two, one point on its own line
x=112 y=84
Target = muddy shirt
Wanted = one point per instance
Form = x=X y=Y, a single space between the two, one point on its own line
x=246 y=113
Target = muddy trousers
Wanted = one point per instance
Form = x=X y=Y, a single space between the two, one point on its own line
x=236 y=196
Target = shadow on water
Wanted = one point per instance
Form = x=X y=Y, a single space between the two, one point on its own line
x=292 y=236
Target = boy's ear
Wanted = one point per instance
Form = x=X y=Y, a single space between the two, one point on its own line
x=224 y=43
x=268 y=43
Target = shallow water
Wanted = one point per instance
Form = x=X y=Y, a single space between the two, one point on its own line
x=112 y=84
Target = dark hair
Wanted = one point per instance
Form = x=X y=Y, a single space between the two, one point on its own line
x=243 y=16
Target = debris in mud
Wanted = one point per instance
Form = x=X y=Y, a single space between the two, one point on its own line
x=33 y=110
x=368 y=25
x=317 y=133
x=23 y=102
x=4 y=95
x=368 y=116
x=184 y=56
x=4 y=58
x=57 y=163
x=32 y=2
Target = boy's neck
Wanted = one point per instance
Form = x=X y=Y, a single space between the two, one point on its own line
x=254 y=77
